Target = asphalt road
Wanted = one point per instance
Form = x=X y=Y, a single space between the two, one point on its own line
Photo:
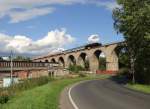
x=106 y=94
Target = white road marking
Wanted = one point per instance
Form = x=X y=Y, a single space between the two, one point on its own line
x=70 y=98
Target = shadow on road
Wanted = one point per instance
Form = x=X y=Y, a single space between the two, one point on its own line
x=119 y=79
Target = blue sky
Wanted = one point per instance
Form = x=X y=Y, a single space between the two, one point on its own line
x=65 y=23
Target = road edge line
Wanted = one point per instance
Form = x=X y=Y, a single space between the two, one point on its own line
x=69 y=93
x=70 y=97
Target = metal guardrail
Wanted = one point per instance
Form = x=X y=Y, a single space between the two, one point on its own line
x=22 y=65
x=23 y=68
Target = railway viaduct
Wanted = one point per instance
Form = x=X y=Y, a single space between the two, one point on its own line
x=86 y=54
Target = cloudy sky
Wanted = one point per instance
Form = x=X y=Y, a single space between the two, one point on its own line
x=38 y=27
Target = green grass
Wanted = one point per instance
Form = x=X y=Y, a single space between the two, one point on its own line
x=42 y=97
x=139 y=87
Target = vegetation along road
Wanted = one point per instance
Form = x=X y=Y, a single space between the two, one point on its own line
x=43 y=97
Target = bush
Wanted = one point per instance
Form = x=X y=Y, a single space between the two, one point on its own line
x=28 y=84
x=4 y=97
x=82 y=75
x=6 y=93
x=75 y=68
x=124 y=71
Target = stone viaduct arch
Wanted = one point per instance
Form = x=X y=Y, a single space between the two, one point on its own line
x=71 y=60
x=83 y=60
x=61 y=61
x=53 y=60
x=46 y=60
x=95 y=59
x=83 y=55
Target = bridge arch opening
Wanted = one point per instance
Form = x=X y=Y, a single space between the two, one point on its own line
x=123 y=56
x=46 y=60
x=99 y=60
x=53 y=60
x=71 y=60
x=83 y=61
x=61 y=61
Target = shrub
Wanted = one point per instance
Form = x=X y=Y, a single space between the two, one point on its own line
x=125 y=73
x=75 y=68
x=82 y=75
x=6 y=93
x=4 y=97
x=28 y=84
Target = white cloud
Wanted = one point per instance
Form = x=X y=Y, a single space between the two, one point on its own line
x=24 y=45
x=56 y=38
x=110 y=5
x=93 y=38
x=58 y=50
x=22 y=10
x=29 y=14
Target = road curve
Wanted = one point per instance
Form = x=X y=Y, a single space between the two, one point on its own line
x=106 y=94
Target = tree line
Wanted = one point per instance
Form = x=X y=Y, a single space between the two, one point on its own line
x=17 y=58
x=132 y=19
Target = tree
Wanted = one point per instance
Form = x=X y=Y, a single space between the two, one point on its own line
x=102 y=65
x=123 y=57
x=87 y=65
x=132 y=19
x=21 y=58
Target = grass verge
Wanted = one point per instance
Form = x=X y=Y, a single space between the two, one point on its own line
x=8 y=92
x=139 y=87
x=43 y=97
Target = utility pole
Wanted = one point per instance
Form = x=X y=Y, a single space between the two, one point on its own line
x=11 y=65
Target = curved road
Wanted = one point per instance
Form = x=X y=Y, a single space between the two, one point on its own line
x=106 y=94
